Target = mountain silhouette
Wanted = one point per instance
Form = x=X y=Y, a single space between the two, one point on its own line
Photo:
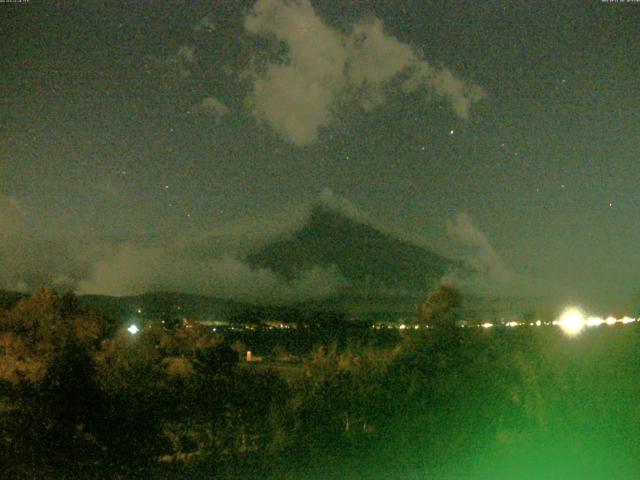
x=366 y=257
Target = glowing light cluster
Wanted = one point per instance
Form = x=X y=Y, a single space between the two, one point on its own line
x=133 y=329
x=594 y=321
x=571 y=321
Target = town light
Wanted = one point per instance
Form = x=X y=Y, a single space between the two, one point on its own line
x=571 y=321
x=133 y=329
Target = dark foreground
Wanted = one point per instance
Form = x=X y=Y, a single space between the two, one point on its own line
x=81 y=400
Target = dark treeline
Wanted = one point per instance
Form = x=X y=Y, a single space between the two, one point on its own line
x=82 y=399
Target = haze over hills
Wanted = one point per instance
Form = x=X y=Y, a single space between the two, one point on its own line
x=326 y=257
x=374 y=273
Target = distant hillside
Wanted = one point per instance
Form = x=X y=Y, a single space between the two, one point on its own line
x=165 y=305
x=385 y=277
x=364 y=256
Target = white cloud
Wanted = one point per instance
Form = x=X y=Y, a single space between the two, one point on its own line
x=205 y=24
x=177 y=65
x=211 y=264
x=342 y=205
x=27 y=260
x=324 y=68
x=475 y=249
x=291 y=104
x=133 y=270
x=461 y=95
x=296 y=97
x=245 y=235
x=375 y=59
x=491 y=276
x=186 y=54
x=213 y=106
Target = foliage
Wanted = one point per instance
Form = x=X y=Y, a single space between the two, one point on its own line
x=80 y=398
x=442 y=307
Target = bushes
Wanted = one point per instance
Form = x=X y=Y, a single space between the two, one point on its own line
x=177 y=403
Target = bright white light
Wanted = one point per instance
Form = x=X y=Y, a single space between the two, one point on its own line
x=626 y=320
x=571 y=321
x=594 y=321
x=611 y=320
x=487 y=325
x=133 y=329
x=538 y=323
x=512 y=324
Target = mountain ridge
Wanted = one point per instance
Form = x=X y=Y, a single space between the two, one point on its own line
x=364 y=255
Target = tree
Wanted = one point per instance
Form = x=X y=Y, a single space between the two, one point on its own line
x=442 y=308
x=48 y=376
x=38 y=329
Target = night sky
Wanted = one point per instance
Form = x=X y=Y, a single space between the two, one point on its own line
x=136 y=131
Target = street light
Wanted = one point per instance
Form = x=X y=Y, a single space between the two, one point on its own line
x=133 y=329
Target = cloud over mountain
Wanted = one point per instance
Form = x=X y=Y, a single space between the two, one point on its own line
x=308 y=251
x=215 y=263
x=474 y=248
x=486 y=272
x=131 y=269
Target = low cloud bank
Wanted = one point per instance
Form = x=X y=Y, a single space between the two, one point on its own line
x=211 y=264
x=489 y=274
x=28 y=260
x=131 y=270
